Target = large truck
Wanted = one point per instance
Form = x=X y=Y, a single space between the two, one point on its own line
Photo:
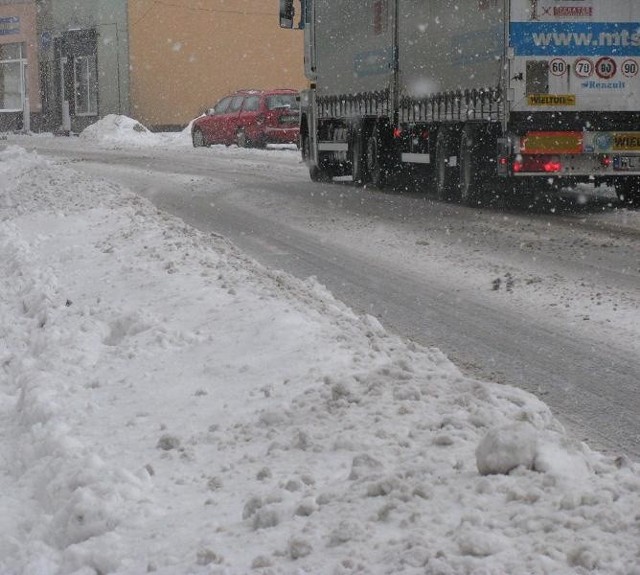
x=481 y=94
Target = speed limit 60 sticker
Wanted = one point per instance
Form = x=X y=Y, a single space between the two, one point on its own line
x=558 y=67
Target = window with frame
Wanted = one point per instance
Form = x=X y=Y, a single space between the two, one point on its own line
x=12 y=88
x=222 y=105
x=85 y=78
x=282 y=101
x=251 y=104
x=236 y=104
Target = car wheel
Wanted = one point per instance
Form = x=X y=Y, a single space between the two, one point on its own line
x=198 y=139
x=259 y=142
x=241 y=139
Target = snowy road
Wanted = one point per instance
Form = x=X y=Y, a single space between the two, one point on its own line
x=546 y=300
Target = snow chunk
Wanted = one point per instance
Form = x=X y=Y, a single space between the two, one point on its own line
x=504 y=448
x=480 y=543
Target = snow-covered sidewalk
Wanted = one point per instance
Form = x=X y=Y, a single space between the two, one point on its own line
x=170 y=406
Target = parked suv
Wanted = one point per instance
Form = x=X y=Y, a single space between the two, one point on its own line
x=250 y=118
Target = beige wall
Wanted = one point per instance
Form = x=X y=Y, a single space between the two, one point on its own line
x=184 y=56
x=26 y=33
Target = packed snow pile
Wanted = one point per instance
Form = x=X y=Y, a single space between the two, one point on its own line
x=114 y=129
x=170 y=406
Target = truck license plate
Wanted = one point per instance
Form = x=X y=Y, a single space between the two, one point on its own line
x=626 y=163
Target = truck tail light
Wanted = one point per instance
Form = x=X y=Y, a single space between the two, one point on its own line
x=553 y=166
x=503 y=165
x=537 y=164
x=606 y=161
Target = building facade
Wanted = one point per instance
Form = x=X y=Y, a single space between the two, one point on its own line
x=64 y=64
x=84 y=61
x=186 y=55
x=19 y=64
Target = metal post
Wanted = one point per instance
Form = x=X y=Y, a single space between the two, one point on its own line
x=26 y=105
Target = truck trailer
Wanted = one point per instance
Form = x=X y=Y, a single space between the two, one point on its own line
x=483 y=95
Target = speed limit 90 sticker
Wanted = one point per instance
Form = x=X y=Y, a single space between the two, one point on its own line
x=605 y=68
x=630 y=68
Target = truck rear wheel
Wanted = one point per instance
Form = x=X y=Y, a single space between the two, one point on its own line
x=316 y=173
x=375 y=159
x=474 y=162
x=447 y=175
x=359 y=160
x=628 y=191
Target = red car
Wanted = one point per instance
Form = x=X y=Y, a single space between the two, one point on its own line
x=250 y=118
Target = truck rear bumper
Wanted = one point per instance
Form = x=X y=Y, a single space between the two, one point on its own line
x=575 y=154
x=571 y=166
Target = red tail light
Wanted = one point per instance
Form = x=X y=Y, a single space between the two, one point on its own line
x=542 y=164
x=553 y=166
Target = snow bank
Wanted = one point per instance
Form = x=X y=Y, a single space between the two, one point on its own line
x=118 y=130
x=170 y=406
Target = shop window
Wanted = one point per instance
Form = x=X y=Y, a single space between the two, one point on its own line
x=85 y=79
x=11 y=77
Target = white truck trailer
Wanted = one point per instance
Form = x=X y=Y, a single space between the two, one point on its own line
x=484 y=94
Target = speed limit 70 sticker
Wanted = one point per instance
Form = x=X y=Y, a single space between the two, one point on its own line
x=583 y=68
x=605 y=68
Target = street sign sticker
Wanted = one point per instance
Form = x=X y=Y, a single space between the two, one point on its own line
x=583 y=68
x=558 y=67
x=551 y=100
x=606 y=68
x=630 y=68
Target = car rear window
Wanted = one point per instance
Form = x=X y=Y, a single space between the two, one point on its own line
x=282 y=101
